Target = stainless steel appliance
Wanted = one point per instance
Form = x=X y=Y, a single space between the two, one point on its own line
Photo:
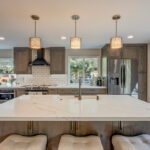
x=6 y=94
x=123 y=77
x=36 y=90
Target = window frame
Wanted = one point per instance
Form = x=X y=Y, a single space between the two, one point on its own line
x=83 y=57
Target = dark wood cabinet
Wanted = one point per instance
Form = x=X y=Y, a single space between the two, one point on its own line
x=142 y=57
x=57 y=60
x=22 y=58
x=112 y=53
x=20 y=92
x=75 y=91
x=130 y=52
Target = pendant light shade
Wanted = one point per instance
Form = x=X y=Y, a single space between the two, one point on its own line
x=35 y=42
x=116 y=42
x=75 y=42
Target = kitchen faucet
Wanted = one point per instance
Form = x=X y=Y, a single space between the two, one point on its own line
x=80 y=92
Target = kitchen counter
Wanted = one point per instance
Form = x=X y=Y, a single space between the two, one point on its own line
x=76 y=86
x=69 y=108
x=56 y=87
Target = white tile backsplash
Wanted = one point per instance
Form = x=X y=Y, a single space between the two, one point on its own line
x=41 y=75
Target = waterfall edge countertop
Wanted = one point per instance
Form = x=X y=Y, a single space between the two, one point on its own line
x=69 y=108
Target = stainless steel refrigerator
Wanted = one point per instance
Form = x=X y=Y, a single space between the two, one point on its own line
x=123 y=77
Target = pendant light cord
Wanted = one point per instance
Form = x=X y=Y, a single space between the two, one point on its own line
x=116 y=28
x=35 y=29
x=75 y=28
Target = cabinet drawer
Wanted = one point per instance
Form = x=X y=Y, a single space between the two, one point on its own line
x=52 y=91
x=94 y=91
x=67 y=91
x=20 y=92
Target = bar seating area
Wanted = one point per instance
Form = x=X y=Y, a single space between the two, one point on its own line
x=70 y=142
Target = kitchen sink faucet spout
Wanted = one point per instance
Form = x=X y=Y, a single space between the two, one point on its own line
x=80 y=92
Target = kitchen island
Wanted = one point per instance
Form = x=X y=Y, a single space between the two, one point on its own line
x=69 y=108
x=55 y=115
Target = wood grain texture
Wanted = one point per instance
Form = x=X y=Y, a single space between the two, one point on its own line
x=12 y=127
x=22 y=58
x=57 y=60
x=20 y=91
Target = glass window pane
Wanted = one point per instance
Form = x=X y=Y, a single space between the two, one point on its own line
x=76 y=69
x=6 y=72
x=6 y=66
x=91 y=70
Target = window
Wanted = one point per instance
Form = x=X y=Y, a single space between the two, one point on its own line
x=6 y=66
x=7 y=76
x=86 y=68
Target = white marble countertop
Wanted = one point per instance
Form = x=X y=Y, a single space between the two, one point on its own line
x=68 y=108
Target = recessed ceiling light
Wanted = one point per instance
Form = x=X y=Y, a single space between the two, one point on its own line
x=130 y=36
x=63 y=38
x=2 y=38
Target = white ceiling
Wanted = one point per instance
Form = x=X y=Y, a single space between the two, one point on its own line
x=95 y=26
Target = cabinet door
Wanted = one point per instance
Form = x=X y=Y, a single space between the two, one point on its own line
x=22 y=58
x=114 y=53
x=57 y=59
x=142 y=57
x=66 y=91
x=142 y=81
x=52 y=91
x=20 y=92
x=93 y=91
x=130 y=52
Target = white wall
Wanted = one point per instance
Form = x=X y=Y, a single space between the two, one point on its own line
x=148 y=74
x=81 y=52
x=6 y=53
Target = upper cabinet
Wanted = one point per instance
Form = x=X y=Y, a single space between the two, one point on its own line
x=22 y=58
x=57 y=60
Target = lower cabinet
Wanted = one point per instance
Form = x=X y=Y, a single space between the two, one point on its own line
x=20 y=91
x=52 y=91
x=75 y=91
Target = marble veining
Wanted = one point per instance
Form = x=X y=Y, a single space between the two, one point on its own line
x=69 y=108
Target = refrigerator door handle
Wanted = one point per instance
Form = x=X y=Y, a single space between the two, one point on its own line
x=124 y=76
x=121 y=76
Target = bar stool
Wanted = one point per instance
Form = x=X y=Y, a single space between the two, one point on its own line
x=141 y=142
x=18 y=142
x=69 y=142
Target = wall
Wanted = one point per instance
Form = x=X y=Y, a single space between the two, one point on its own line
x=6 y=53
x=82 y=52
x=148 y=74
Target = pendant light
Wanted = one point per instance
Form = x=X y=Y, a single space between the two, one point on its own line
x=75 y=42
x=35 y=42
x=116 y=42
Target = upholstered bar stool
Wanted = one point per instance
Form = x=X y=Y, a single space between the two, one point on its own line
x=69 y=142
x=18 y=142
x=141 y=142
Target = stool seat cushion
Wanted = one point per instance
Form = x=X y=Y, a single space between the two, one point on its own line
x=18 y=142
x=69 y=142
x=141 y=142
